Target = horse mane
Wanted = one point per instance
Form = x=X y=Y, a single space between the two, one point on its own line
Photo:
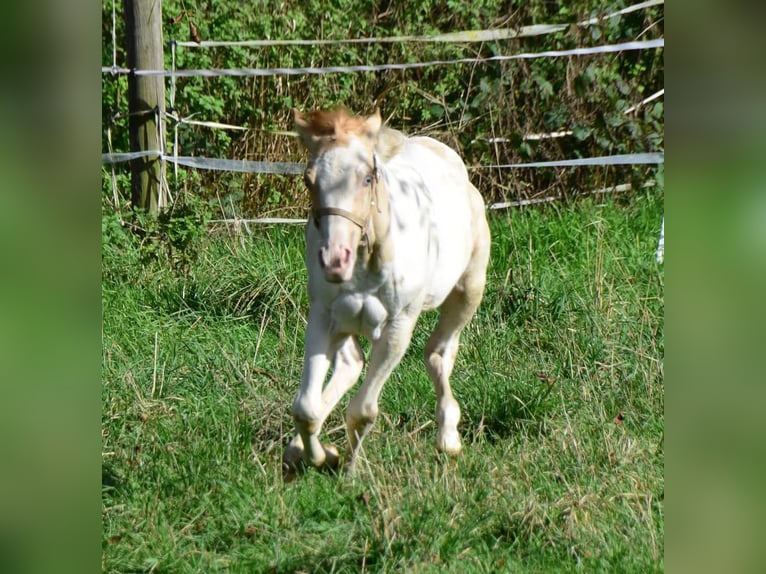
x=333 y=123
x=333 y=126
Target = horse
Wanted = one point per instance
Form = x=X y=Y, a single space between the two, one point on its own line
x=395 y=229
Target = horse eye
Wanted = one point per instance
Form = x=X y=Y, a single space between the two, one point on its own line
x=367 y=180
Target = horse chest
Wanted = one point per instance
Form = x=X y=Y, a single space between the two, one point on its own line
x=362 y=313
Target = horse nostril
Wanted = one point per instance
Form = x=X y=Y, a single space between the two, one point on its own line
x=335 y=258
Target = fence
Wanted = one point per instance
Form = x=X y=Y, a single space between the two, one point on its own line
x=267 y=167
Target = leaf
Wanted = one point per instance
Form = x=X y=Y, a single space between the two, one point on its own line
x=436 y=110
x=623 y=86
x=194 y=34
x=546 y=88
x=616 y=120
x=581 y=132
x=525 y=149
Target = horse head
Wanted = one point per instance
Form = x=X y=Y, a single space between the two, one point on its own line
x=342 y=178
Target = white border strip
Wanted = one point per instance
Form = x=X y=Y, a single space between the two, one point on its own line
x=627 y=10
x=619 y=159
x=240 y=165
x=653 y=97
x=247 y=72
x=112 y=158
x=463 y=36
x=296 y=168
x=551 y=198
x=263 y=220
x=495 y=206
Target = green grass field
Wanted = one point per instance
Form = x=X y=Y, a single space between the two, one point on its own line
x=559 y=378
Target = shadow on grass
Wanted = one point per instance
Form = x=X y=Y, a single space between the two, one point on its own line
x=112 y=484
x=518 y=413
x=349 y=560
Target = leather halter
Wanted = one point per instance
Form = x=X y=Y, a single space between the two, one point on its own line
x=322 y=211
x=319 y=212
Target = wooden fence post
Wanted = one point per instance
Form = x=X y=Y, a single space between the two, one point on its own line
x=143 y=19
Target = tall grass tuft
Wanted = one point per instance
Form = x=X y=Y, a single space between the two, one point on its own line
x=559 y=377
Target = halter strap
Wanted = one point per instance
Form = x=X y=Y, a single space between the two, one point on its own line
x=322 y=211
x=318 y=212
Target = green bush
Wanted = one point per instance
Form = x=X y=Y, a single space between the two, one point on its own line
x=466 y=106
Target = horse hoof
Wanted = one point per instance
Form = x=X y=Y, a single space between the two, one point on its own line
x=449 y=444
x=293 y=462
x=332 y=458
x=292 y=456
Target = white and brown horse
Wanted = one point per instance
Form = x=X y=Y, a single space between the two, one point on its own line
x=396 y=228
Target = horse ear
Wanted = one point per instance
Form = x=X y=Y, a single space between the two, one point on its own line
x=303 y=127
x=373 y=124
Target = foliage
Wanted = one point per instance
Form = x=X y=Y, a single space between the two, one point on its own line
x=171 y=237
x=483 y=110
x=559 y=377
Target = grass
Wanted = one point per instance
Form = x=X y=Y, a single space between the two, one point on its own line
x=559 y=378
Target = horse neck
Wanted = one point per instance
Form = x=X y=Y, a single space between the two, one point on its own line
x=379 y=232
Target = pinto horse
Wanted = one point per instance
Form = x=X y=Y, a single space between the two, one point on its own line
x=395 y=229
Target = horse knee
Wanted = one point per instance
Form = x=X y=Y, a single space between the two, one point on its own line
x=439 y=359
x=433 y=354
x=361 y=414
x=305 y=415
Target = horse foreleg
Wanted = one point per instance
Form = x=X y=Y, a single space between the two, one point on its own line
x=309 y=410
x=347 y=366
x=386 y=353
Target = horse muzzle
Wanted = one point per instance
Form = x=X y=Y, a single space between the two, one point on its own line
x=337 y=263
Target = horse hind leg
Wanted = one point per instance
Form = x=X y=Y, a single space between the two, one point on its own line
x=441 y=351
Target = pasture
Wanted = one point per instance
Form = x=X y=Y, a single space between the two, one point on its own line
x=559 y=378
